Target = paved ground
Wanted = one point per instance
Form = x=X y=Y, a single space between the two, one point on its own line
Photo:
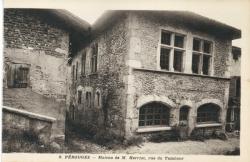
x=211 y=147
x=208 y=147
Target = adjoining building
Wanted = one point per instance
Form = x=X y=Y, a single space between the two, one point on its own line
x=148 y=71
x=37 y=44
x=233 y=112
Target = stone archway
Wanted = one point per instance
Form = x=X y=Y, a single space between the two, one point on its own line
x=154 y=114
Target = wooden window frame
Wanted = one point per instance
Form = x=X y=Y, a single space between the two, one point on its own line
x=88 y=99
x=79 y=97
x=173 y=49
x=76 y=70
x=145 y=120
x=18 y=75
x=183 y=113
x=94 y=58
x=201 y=53
x=208 y=114
x=73 y=73
x=83 y=70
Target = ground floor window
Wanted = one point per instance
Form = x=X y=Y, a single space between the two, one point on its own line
x=153 y=114
x=208 y=113
x=18 y=76
x=183 y=117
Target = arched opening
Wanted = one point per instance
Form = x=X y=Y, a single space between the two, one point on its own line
x=208 y=113
x=98 y=99
x=154 y=114
x=183 y=116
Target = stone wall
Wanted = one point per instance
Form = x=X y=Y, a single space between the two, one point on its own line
x=176 y=90
x=20 y=125
x=145 y=39
x=147 y=83
x=108 y=81
x=128 y=76
x=33 y=38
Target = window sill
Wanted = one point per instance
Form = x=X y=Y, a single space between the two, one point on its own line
x=208 y=125
x=180 y=73
x=152 y=129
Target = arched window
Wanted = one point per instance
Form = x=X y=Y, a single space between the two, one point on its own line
x=79 y=97
x=98 y=99
x=154 y=114
x=88 y=99
x=208 y=113
x=183 y=117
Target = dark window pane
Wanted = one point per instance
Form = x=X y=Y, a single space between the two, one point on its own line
x=158 y=116
x=195 y=63
x=150 y=117
x=165 y=38
x=178 y=60
x=79 y=97
x=154 y=115
x=164 y=116
x=238 y=86
x=164 y=110
x=150 y=110
x=206 y=62
x=196 y=45
x=164 y=58
x=141 y=123
x=73 y=72
x=179 y=41
x=19 y=75
x=184 y=113
x=141 y=117
x=149 y=122
x=163 y=122
x=83 y=63
x=76 y=70
x=157 y=122
x=207 y=47
x=208 y=113
x=142 y=111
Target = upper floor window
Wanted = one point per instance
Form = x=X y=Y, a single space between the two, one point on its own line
x=235 y=86
x=76 y=70
x=73 y=72
x=83 y=63
x=79 y=97
x=94 y=58
x=202 y=54
x=88 y=99
x=18 y=76
x=98 y=99
x=172 y=51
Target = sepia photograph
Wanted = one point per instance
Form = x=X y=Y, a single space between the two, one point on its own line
x=121 y=81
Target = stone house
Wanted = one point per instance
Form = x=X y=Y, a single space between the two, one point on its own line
x=37 y=44
x=147 y=71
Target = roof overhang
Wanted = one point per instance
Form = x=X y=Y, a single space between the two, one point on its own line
x=63 y=18
x=186 y=18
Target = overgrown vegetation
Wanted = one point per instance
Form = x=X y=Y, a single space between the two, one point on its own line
x=236 y=151
x=25 y=141
x=134 y=141
x=217 y=134
x=163 y=137
x=101 y=137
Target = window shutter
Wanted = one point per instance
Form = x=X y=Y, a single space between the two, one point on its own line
x=232 y=90
x=10 y=75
